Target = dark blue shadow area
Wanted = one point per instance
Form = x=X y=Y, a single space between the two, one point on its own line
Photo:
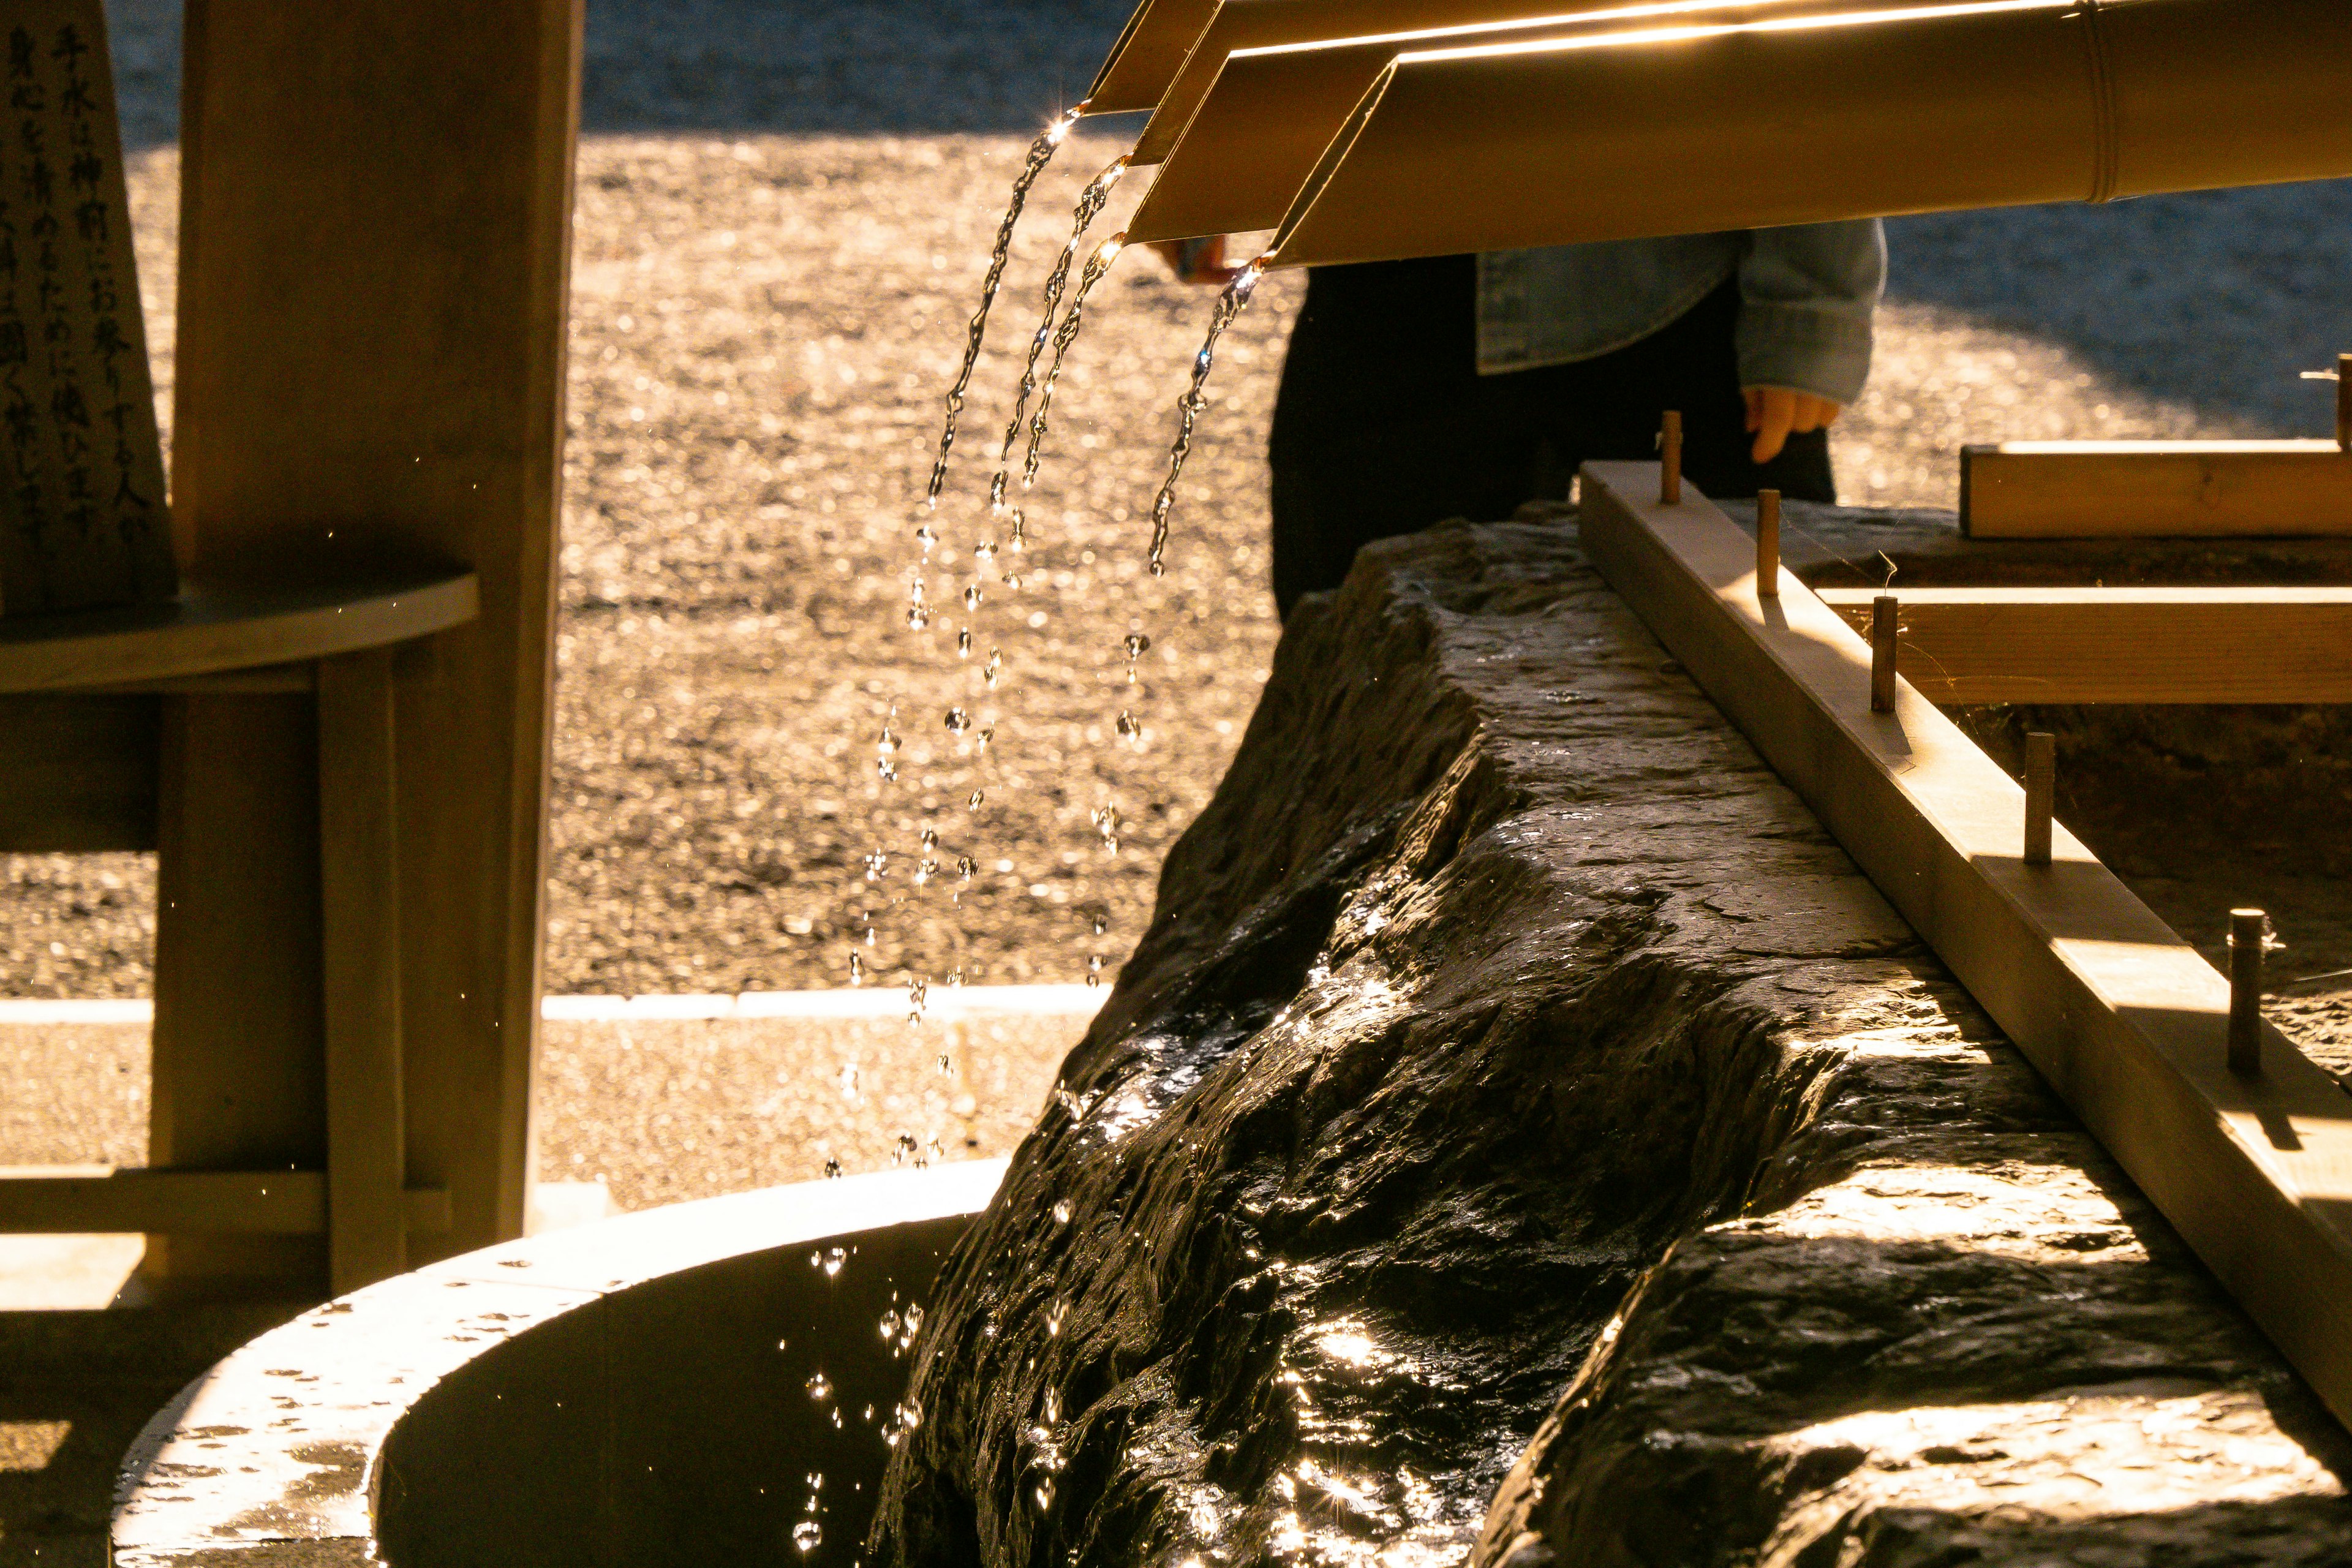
x=807 y=67
x=822 y=66
x=2216 y=300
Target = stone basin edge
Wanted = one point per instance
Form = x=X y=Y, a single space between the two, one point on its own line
x=273 y=1455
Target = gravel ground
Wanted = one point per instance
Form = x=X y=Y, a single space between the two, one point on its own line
x=784 y=211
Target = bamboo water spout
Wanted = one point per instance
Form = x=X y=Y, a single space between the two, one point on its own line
x=1150 y=50
x=1270 y=84
x=1807 y=119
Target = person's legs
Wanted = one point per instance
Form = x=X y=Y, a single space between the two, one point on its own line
x=1382 y=424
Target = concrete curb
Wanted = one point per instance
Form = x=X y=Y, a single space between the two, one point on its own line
x=524 y=1403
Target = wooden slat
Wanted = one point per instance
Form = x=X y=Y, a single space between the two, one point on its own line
x=2128 y=1022
x=221 y=627
x=1961 y=645
x=94 y=1199
x=367 y=1158
x=2153 y=489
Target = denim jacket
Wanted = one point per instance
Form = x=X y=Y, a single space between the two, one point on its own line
x=1807 y=294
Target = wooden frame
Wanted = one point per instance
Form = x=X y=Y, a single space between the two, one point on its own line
x=2127 y=1022
x=2133 y=489
x=1962 y=646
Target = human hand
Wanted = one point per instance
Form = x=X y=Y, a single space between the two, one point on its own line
x=1774 y=414
x=1199 y=261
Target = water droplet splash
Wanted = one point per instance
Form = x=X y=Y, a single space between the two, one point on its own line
x=1230 y=304
x=1041 y=153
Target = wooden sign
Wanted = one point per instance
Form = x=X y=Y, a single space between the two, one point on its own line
x=83 y=518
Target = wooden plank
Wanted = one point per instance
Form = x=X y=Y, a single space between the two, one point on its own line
x=367 y=1153
x=225 y=1203
x=375 y=240
x=2155 y=489
x=220 y=627
x=96 y=1200
x=2127 y=1022
x=79 y=774
x=1962 y=646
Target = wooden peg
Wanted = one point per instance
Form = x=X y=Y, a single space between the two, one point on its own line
x=1882 y=654
x=2249 y=929
x=1767 y=544
x=2344 y=401
x=2041 y=790
x=1670 y=459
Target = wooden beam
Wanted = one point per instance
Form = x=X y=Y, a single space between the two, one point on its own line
x=359 y=844
x=375 y=240
x=1961 y=645
x=77 y=1200
x=2128 y=1022
x=2155 y=489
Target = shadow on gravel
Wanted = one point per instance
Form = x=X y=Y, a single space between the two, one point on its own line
x=2215 y=300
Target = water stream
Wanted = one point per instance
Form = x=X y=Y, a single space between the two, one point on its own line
x=1230 y=305
x=1041 y=153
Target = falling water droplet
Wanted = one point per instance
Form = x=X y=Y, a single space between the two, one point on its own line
x=808 y=1535
x=1062 y=1211
x=849 y=1081
x=984 y=551
x=1137 y=644
x=835 y=1257
x=947 y=1065
x=965 y=867
x=878 y=863
x=963 y=643
x=929 y=839
x=831 y=1170
x=931 y=1150
x=925 y=536
x=994 y=669
x=856 y=968
x=820 y=1387
x=1094 y=969
x=906 y=1147
x=958 y=721
x=1101 y=922
x=1054 y=1315
x=1131 y=728
x=972 y=597
x=977 y=797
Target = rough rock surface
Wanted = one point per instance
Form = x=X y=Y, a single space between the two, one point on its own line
x=1502 y=1007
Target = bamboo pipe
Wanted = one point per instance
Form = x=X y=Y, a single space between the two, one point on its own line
x=1265 y=115
x=1803 y=120
x=1252 y=25
x=1150 y=50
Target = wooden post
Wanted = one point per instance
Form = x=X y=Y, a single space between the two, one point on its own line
x=1767 y=544
x=367 y=1151
x=2344 y=401
x=1670 y=459
x=1882 y=654
x=375 y=205
x=2040 y=791
x=2249 y=929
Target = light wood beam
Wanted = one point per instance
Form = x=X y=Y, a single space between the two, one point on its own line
x=1962 y=646
x=2128 y=1023
x=367 y=1150
x=76 y=1200
x=375 y=244
x=2155 y=489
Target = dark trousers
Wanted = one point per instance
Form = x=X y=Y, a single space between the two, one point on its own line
x=1383 y=425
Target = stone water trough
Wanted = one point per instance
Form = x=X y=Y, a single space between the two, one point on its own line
x=1523 y=1137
